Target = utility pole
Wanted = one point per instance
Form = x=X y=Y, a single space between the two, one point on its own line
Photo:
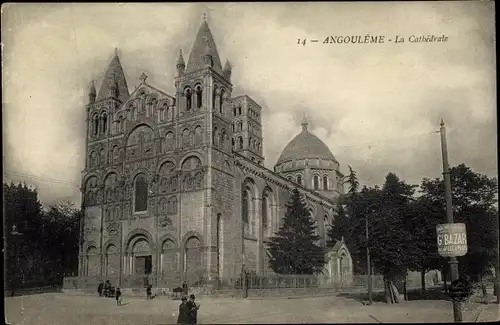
x=497 y=266
x=457 y=306
x=368 y=263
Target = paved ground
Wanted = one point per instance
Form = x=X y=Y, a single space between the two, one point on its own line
x=55 y=308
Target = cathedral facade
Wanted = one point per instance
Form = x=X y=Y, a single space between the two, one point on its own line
x=174 y=186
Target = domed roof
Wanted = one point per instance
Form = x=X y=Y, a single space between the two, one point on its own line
x=305 y=145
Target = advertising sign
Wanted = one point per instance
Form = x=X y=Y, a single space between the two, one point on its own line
x=451 y=239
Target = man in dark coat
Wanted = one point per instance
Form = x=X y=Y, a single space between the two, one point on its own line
x=99 y=289
x=185 y=288
x=183 y=312
x=148 y=292
x=193 y=310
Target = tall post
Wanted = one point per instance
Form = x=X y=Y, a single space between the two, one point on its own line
x=457 y=306
x=497 y=266
x=368 y=263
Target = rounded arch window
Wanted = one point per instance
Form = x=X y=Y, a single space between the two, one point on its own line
x=104 y=124
x=95 y=123
x=316 y=182
x=221 y=100
x=140 y=193
x=188 y=95
x=199 y=93
x=325 y=183
x=299 y=179
x=245 y=205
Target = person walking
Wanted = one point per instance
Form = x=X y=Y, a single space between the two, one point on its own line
x=118 y=296
x=183 y=317
x=107 y=288
x=148 y=292
x=193 y=310
x=185 y=288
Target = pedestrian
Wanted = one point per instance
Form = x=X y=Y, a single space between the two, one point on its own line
x=99 y=288
x=118 y=296
x=148 y=292
x=193 y=310
x=185 y=288
x=107 y=289
x=183 y=317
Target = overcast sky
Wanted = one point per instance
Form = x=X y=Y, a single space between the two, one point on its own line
x=374 y=105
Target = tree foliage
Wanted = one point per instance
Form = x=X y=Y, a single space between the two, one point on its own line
x=294 y=248
x=402 y=224
x=473 y=199
x=44 y=245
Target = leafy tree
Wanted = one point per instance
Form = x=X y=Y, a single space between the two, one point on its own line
x=339 y=228
x=473 y=198
x=61 y=233
x=294 y=249
x=46 y=244
x=22 y=220
x=420 y=221
x=388 y=240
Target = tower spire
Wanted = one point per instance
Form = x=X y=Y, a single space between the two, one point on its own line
x=304 y=122
x=92 y=93
x=181 y=65
x=204 y=48
x=114 y=79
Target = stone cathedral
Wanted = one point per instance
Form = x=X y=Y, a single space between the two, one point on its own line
x=174 y=186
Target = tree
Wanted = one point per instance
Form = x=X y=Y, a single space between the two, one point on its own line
x=473 y=198
x=22 y=217
x=294 y=249
x=339 y=228
x=389 y=240
x=46 y=246
x=353 y=181
x=420 y=221
x=61 y=234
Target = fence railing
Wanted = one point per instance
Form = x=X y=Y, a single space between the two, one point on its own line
x=252 y=281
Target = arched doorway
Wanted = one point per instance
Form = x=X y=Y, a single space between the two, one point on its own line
x=142 y=257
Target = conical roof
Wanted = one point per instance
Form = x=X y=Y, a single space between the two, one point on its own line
x=305 y=145
x=114 y=74
x=203 y=44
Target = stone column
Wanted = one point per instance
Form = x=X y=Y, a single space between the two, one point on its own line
x=257 y=214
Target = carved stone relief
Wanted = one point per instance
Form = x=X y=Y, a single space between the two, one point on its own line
x=113 y=228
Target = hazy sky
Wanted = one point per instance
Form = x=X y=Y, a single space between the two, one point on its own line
x=374 y=105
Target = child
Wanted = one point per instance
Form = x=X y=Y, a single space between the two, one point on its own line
x=118 y=295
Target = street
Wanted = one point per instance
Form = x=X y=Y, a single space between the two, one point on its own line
x=55 y=308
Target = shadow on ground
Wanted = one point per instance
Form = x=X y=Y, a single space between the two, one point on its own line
x=413 y=294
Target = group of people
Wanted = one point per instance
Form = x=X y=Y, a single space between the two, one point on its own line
x=105 y=289
x=188 y=311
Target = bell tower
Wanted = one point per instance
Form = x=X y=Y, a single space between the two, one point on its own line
x=203 y=90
